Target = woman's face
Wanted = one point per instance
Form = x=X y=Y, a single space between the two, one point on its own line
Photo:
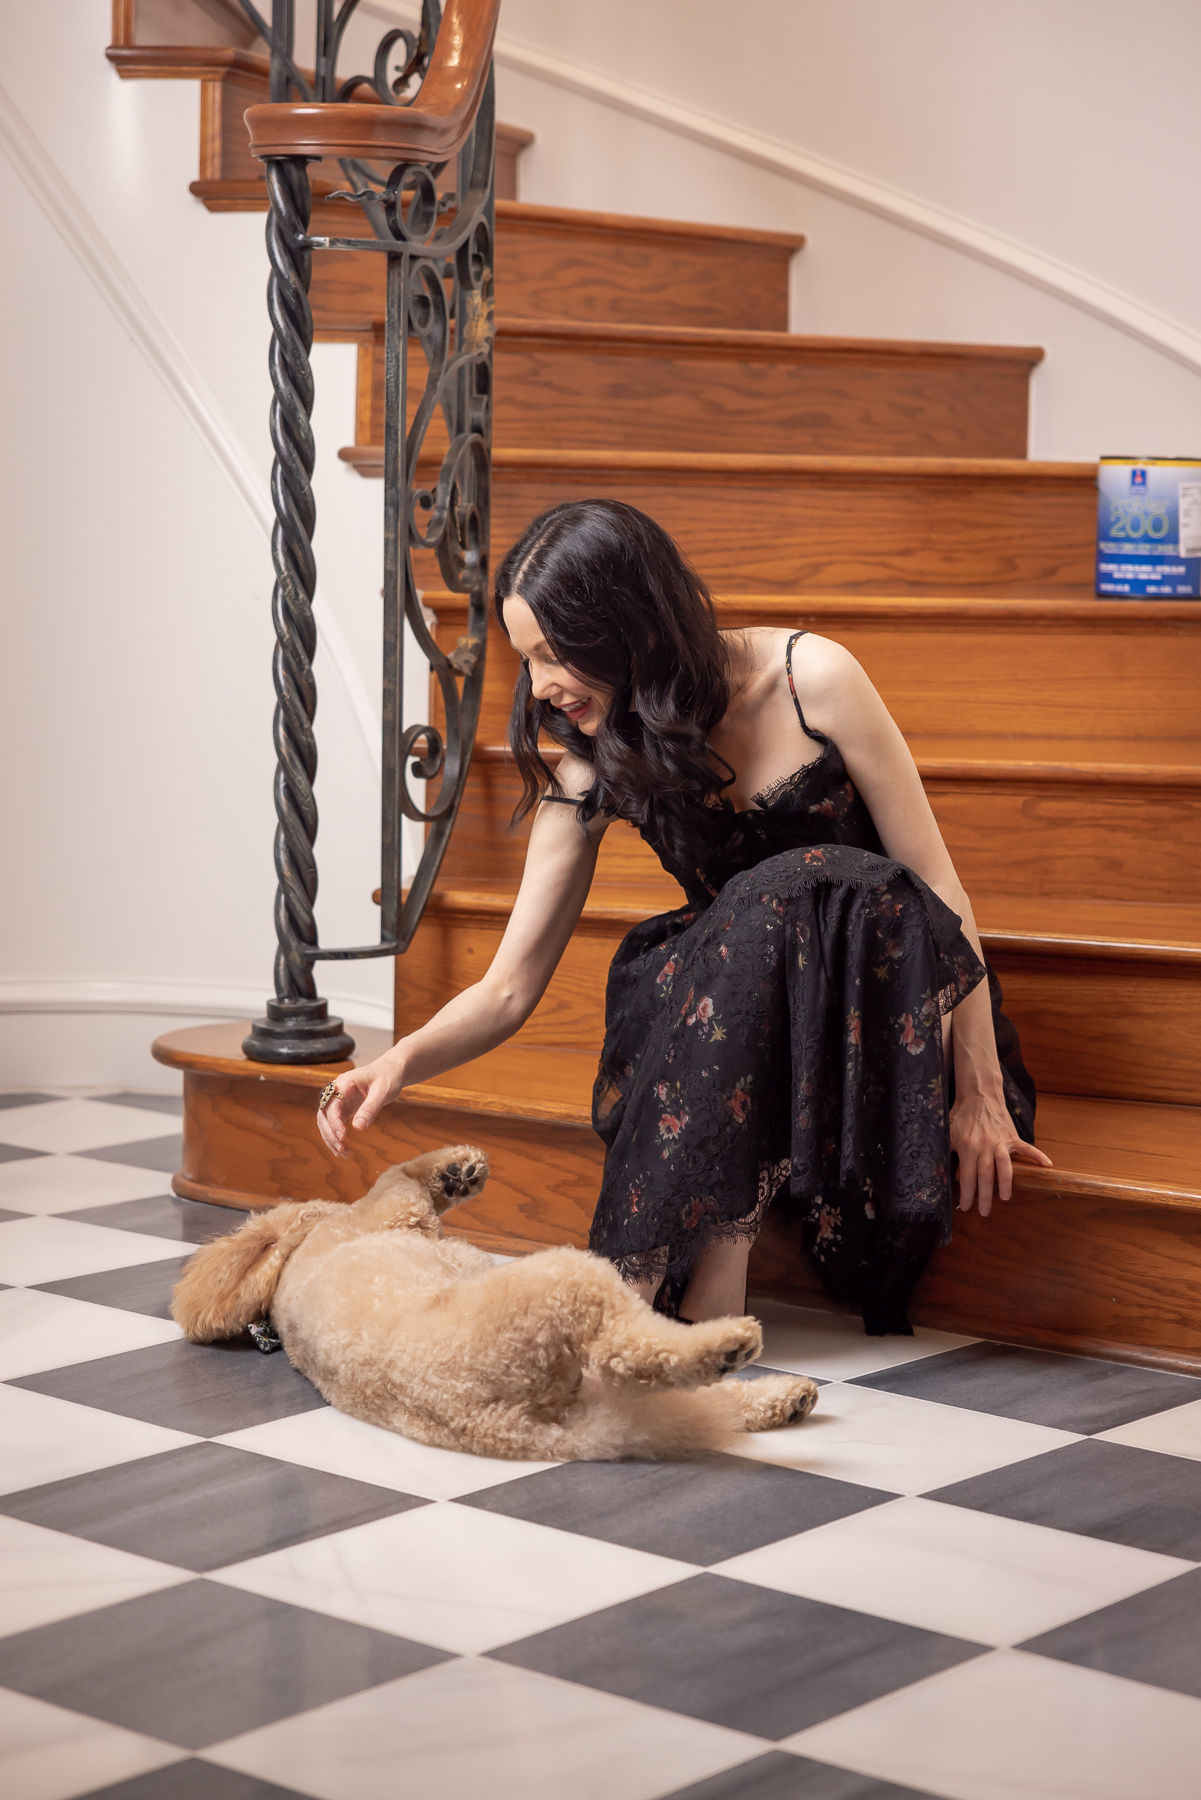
x=580 y=701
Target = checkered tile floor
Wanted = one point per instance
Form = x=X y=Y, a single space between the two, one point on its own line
x=974 y=1574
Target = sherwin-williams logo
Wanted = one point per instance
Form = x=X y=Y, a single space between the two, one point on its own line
x=1138 y=478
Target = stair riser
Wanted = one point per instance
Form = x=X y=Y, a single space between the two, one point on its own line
x=1088 y=683
x=546 y=270
x=1109 y=1027
x=1031 y=839
x=616 y=396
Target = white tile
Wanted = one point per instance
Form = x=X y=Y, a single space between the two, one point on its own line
x=945 y=1568
x=468 y=1729
x=35 y=1250
x=835 y=1346
x=1175 y=1433
x=48 y=1575
x=455 y=1577
x=68 y=1125
x=46 y=1439
x=48 y=1331
x=903 y=1445
x=1017 y=1727
x=340 y=1445
x=56 y=1184
x=47 y=1753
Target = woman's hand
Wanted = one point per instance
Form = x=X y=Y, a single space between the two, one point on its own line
x=357 y=1100
x=983 y=1134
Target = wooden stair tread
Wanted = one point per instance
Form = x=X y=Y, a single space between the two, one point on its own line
x=1137 y=1148
x=1065 y=926
x=368 y=460
x=769 y=346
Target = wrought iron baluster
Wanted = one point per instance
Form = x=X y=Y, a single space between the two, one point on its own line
x=455 y=333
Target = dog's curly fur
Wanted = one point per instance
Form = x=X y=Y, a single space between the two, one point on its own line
x=550 y=1357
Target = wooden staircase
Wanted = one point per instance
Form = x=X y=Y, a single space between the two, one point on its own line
x=878 y=493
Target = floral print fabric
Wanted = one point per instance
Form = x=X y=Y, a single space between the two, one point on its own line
x=779 y=1040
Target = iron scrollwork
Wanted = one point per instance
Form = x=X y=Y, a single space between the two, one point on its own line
x=439 y=295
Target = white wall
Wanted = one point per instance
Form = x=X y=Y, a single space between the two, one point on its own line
x=1020 y=173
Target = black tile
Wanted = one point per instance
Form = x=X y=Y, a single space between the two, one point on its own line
x=6 y=1216
x=206 y=1389
x=199 y=1663
x=161 y=1103
x=193 y=1780
x=778 y=1776
x=1072 y=1393
x=745 y=1657
x=204 y=1506
x=165 y=1216
x=1100 y=1490
x=698 y=1512
x=165 y=1153
x=1151 y=1637
x=15 y=1153
x=146 y=1288
x=7 y=1101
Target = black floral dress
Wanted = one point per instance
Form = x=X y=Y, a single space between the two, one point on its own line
x=779 y=1041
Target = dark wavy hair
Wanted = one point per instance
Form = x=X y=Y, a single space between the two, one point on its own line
x=620 y=605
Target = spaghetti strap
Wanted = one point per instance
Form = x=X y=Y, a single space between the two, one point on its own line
x=818 y=737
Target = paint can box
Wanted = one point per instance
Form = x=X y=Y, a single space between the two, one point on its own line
x=1149 y=527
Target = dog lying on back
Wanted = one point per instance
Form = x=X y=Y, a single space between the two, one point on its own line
x=549 y=1358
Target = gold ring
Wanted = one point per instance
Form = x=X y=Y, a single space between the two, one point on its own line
x=329 y=1092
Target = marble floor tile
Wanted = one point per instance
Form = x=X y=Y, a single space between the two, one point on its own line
x=54 y=1184
x=701 y=1512
x=12 y=1153
x=473 y=1730
x=1149 y=1637
x=204 y=1505
x=1073 y=1393
x=46 y=1439
x=36 y=1250
x=967 y=1574
x=16 y=1098
x=144 y=1288
x=1112 y=1491
x=46 y=1575
x=49 y=1753
x=1176 y=1433
x=344 y=1446
x=203 y=1389
x=162 y=1153
x=195 y=1664
x=64 y=1126
x=165 y=1216
x=835 y=1345
x=42 y=1331
x=449 y=1576
x=781 y=1776
x=171 y=1104
x=194 y=1780
x=1017 y=1727
x=737 y=1655
x=889 y=1441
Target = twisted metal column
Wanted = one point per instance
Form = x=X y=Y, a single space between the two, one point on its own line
x=297 y=1027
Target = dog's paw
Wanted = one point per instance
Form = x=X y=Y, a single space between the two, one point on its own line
x=774 y=1400
x=466 y=1176
x=723 y=1346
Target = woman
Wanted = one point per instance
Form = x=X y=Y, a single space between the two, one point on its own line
x=786 y=1033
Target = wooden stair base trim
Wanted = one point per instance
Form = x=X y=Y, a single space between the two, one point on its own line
x=368 y=459
x=832 y=611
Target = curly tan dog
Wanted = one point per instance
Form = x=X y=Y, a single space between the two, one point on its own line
x=550 y=1357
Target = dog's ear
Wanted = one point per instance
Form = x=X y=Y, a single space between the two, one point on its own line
x=230 y=1283
x=449 y=1176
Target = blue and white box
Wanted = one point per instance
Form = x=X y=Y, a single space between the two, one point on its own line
x=1149 y=527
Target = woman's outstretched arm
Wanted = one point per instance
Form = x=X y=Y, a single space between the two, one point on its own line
x=838 y=699
x=559 y=865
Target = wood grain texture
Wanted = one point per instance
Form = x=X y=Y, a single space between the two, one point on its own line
x=654 y=387
x=835 y=524
x=182 y=23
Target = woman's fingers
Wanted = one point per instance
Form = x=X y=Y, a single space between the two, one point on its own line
x=377 y=1094
x=1004 y=1168
x=967 y=1179
x=1032 y=1153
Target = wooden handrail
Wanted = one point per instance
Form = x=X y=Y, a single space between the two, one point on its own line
x=432 y=130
